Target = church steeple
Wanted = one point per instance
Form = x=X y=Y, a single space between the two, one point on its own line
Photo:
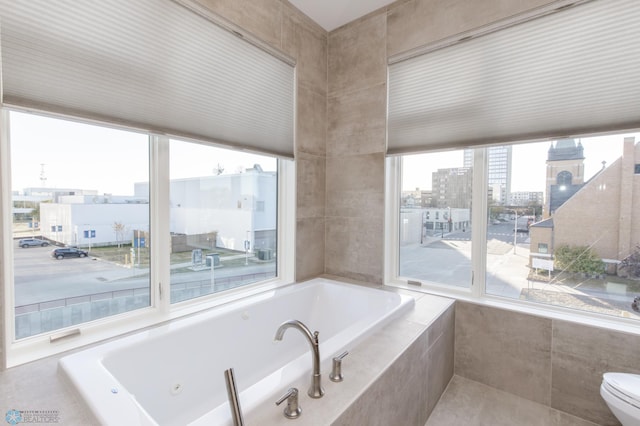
x=565 y=149
x=565 y=173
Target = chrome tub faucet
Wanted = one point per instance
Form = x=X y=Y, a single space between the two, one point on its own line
x=315 y=390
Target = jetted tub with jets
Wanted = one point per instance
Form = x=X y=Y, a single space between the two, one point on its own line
x=173 y=374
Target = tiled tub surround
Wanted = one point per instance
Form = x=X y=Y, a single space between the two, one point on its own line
x=394 y=377
x=553 y=362
x=409 y=363
x=173 y=374
x=401 y=369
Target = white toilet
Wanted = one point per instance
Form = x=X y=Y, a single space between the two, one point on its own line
x=621 y=392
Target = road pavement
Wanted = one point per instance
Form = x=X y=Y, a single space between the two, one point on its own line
x=40 y=278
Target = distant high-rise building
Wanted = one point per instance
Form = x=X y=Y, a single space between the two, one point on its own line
x=426 y=197
x=452 y=187
x=526 y=198
x=499 y=171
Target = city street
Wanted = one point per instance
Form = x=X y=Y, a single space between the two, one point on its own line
x=502 y=232
x=447 y=260
x=41 y=278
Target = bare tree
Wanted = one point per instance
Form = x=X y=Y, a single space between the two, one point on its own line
x=120 y=229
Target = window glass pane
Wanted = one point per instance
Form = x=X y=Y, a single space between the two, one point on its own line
x=435 y=218
x=80 y=222
x=223 y=211
x=569 y=233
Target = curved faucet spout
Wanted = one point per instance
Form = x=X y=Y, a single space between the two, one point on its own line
x=315 y=390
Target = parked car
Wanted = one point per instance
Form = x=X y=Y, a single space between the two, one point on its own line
x=32 y=242
x=61 y=253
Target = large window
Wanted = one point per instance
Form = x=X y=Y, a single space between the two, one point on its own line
x=571 y=243
x=81 y=231
x=223 y=214
x=435 y=219
x=109 y=227
x=143 y=232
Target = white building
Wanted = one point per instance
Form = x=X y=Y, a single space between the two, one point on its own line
x=238 y=207
x=26 y=201
x=416 y=224
x=89 y=220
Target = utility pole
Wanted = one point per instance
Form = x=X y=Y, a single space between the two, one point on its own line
x=515 y=231
x=43 y=177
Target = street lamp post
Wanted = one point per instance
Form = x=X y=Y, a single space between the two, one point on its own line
x=213 y=273
x=446 y=222
x=247 y=245
x=515 y=232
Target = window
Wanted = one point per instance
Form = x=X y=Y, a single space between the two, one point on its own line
x=435 y=245
x=587 y=213
x=218 y=240
x=80 y=181
x=564 y=178
x=568 y=248
x=247 y=104
x=84 y=248
x=570 y=243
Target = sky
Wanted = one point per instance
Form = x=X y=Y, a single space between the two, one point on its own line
x=528 y=162
x=82 y=156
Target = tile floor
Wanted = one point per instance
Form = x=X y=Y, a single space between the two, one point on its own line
x=469 y=403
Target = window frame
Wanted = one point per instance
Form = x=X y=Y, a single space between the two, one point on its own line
x=476 y=293
x=160 y=309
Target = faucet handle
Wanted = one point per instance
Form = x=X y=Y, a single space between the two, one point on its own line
x=292 y=410
x=336 y=371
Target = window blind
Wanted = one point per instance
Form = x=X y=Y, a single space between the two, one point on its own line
x=152 y=64
x=574 y=71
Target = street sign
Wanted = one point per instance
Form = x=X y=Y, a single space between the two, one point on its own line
x=545 y=264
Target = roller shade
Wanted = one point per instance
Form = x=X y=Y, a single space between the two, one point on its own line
x=152 y=64
x=574 y=71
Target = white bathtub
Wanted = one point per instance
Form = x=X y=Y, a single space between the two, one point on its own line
x=174 y=374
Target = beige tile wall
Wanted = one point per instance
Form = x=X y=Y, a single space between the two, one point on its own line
x=356 y=113
x=552 y=362
x=406 y=392
x=513 y=350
